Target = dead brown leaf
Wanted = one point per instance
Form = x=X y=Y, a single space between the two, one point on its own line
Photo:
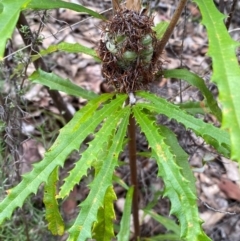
x=230 y=189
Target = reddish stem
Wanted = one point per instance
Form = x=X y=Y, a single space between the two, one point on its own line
x=162 y=43
x=133 y=170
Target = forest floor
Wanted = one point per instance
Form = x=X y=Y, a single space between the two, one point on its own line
x=217 y=178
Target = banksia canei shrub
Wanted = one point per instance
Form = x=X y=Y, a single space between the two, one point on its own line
x=127 y=49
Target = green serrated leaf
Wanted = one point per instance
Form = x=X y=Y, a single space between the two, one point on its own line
x=53 y=216
x=198 y=82
x=124 y=232
x=57 y=83
x=71 y=136
x=81 y=230
x=180 y=155
x=212 y=135
x=103 y=228
x=91 y=153
x=10 y=10
x=100 y=156
x=46 y=4
x=226 y=70
x=183 y=200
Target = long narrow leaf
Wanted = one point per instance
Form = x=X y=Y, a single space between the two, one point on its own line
x=69 y=48
x=168 y=223
x=91 y=153
x=103 y=228
x=212 y=135
x=226 y=70
x=124 y=232
x=53 y=216
x=69 y=139
x=46 y=4
x=181 y=156
x=164 y=237
x=198 y=82
x=57 y=83
x=81 y=229
x=120 y=182
x=183 y=200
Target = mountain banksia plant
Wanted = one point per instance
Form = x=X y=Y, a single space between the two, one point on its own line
x=130 y=52
x=127 y=49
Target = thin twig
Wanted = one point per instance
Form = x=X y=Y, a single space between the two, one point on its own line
x=39 y=63
x=217 y=210
x=234 y=30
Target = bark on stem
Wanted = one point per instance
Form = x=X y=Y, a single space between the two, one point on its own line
x=133 y=170
x=162 y=43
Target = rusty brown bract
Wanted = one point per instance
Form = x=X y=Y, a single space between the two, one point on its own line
x=126 y=59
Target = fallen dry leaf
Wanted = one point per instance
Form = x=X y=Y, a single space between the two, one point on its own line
x=230 y=189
